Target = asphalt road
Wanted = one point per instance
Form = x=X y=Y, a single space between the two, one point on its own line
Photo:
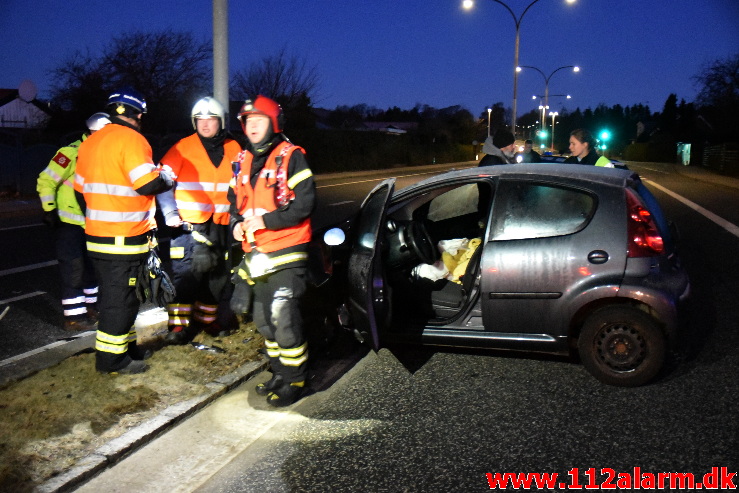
x=415 y=419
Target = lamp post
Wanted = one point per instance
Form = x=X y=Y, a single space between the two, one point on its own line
x=574 y=68
x=553 y=114
x=489 y=110
x=468 y=4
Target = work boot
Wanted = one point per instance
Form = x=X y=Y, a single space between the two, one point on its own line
x=268 y=386
x=135 y=366
x=78 y=325
x=178 y=336
x=285 y=395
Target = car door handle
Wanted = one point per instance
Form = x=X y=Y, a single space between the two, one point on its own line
x=598 y=257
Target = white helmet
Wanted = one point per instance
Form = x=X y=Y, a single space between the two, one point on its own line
x=208 y=108
x=97 y=121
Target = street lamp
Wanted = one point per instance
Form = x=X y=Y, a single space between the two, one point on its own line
x=468 y=4
x=553 y=114
x=574 y=68
x=489 y=110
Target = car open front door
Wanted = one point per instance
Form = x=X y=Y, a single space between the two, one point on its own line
x=368 y=300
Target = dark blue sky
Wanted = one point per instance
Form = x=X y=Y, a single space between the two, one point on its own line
x=402 y=52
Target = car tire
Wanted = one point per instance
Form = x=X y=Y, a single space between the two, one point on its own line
x=622 y=346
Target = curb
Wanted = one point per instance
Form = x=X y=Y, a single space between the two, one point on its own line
x=118 y=448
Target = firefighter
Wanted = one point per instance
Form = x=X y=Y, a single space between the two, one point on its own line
x=116 y=183
x=272 y=197
x=198 y=211
x=63 y=215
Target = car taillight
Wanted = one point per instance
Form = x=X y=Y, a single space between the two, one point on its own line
x=644 y=238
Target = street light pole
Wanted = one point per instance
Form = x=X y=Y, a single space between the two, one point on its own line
x=574 y=68
x=489 y=110
x=468 y=4
x=553 y=113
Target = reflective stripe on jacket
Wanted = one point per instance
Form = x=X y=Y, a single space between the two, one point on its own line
x=261 y=199
x=604 y=162
x=55 y=185
x=202 y=188
x=112 y=163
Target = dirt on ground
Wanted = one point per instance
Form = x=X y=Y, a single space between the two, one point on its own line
x=54 y=418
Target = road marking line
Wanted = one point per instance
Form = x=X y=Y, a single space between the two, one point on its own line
x=23 y=297
x=25 y=268
x=21 y=227
x=19 y=357
x=377 y=179
x=731 y=228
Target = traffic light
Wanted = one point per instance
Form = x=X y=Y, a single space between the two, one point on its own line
x=605 y=135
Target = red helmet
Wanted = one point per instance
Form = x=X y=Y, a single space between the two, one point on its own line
x=262 y=105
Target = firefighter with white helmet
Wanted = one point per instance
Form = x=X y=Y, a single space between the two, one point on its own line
x=272 y=198
x=197 y=213
x=62 y=213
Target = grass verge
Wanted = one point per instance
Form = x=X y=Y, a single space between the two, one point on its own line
x=56 y=417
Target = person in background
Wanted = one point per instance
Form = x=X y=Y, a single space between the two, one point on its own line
x=62 y=213
x=116 y=183
x=529 y=155
x=582 y=147
x=197 y=210
x=272 y=198
x=499 y=149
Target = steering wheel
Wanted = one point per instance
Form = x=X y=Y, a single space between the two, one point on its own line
x=421 y=243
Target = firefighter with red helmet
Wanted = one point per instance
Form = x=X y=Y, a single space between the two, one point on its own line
x=272 y=197
x=197 y=210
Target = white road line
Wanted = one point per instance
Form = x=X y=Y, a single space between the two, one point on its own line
x=25 y=355
x=25 y=268
x=731 y=228
x=376 y=179
x=23 y=297
x=24 y=226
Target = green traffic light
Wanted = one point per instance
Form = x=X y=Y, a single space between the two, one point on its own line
x=605 y=135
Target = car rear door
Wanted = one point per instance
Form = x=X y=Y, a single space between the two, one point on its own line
x=368 y=302
x=550 y=249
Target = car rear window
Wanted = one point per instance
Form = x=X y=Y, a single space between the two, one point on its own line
x=529 y=210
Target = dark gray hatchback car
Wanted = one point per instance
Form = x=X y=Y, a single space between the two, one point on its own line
x=554 y=258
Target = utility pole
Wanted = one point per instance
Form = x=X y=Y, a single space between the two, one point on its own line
x=220 y=55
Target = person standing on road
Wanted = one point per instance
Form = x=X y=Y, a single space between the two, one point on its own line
x=272 y=198
x=197 y=211
x=529 y=155
x=582 y=147
x=62 y=213
x=499 y=149
x=116 y=182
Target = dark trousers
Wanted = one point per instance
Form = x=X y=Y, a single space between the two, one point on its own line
x=118 y=306
x=79 y=286
x=278 y=318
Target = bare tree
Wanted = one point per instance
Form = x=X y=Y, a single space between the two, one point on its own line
x=286 y=79
x=171 y=69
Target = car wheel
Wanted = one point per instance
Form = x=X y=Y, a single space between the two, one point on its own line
x=622 y=345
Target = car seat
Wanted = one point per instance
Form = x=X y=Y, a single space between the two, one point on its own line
x=447 y=297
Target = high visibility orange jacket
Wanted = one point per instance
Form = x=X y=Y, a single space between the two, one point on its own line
x=202 y=188
x=112 y=163
x=261 y=199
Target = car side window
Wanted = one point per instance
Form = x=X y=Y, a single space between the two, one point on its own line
x=532 y=210
x=456 y=202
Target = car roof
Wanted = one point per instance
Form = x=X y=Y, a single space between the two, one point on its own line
x=544 y=171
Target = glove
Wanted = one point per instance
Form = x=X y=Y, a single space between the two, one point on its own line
x=204 y=258
x=241 y=298
x=51 y=219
